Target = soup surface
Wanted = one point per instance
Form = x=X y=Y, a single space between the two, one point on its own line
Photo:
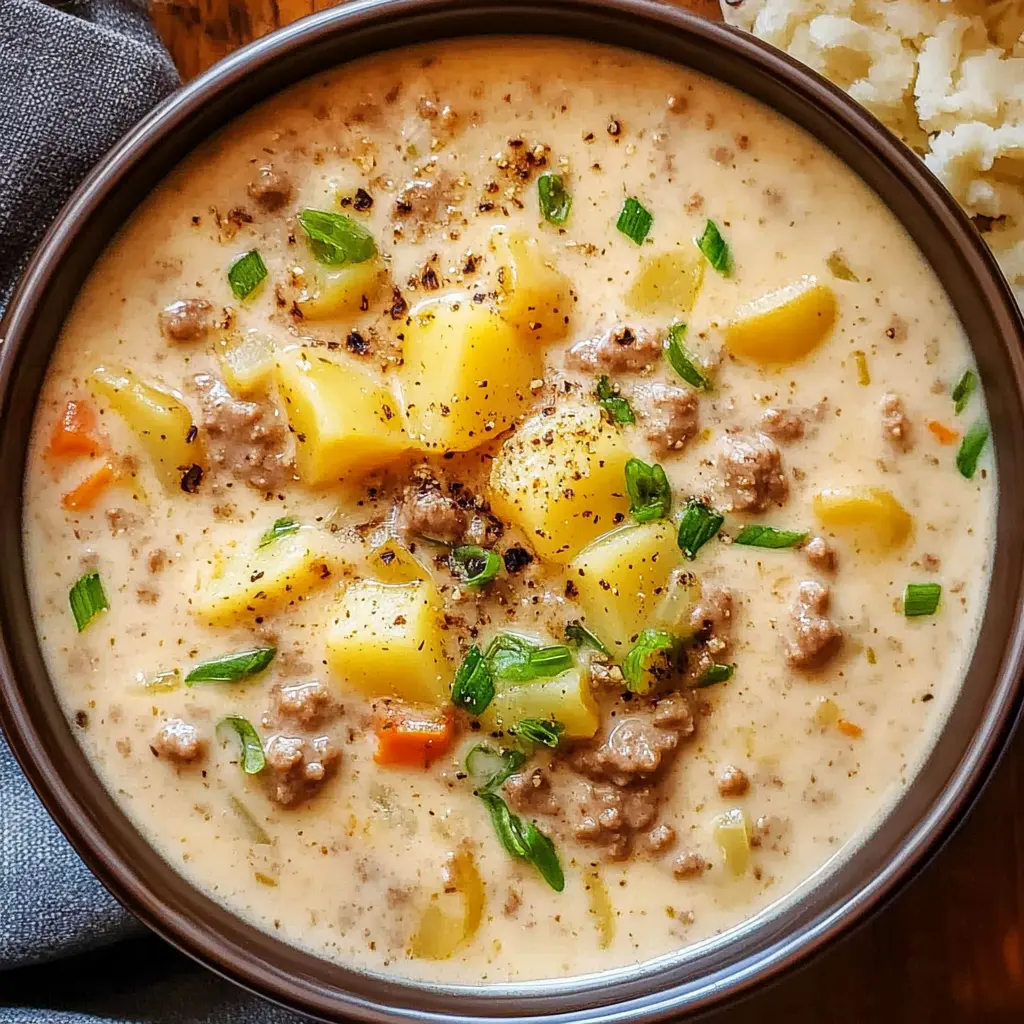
x=559 y=522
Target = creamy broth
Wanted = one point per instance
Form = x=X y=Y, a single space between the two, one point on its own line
x=823 y=720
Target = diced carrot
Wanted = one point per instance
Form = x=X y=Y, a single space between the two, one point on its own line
x=412 y=735
x=75 y=432
x=88 y=492
x=943 y=434
x=850 y=729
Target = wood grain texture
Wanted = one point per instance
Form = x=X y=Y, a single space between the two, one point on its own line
x=950 y=948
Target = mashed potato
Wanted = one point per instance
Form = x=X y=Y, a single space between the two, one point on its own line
x=946 y=75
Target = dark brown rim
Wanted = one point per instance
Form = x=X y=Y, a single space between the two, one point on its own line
x=933 y=804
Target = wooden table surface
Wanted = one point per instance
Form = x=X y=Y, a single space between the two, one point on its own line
x=949 y=949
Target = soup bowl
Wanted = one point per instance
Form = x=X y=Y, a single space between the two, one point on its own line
x=700 y=975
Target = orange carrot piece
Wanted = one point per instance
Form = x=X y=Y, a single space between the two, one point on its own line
x=412 y=735
x=850 y=729
x=88 y=492
x=943 y=434
x=75 y=432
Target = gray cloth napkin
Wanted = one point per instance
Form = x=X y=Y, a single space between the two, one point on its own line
x=74 y=76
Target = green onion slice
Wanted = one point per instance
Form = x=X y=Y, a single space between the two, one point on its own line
x=232 y=668
x=474 y=566
x=698 y=525
x=473 y=686
x=555 y=200
x=683 y=361
x=335 y=239
x=257 y=833
x=650 y=496
x=281 y=528
x=490 y=768
x=578 y=634
x=768 y=537
x=525 y=841
x=650 y=660
x=715 y=248
x=965 y=388
x=618 y=407
x=521 y=660
x=970 y=449
x=253 y=758
x=921 y=599
x=715 y=674
x=635 y=220
x=88 y=599
x=246 y=274
x=840 y=269
x=540 y=730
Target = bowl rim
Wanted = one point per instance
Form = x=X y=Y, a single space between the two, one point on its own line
x=376 y=999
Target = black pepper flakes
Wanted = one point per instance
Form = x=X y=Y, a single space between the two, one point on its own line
x=363 y=200
x=191 y=478
x=516 y=559
x=357 y=344
x=399 y=307
x=614 y=127
x=191 y=435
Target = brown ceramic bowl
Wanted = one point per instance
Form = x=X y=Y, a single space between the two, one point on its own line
x=933 y=804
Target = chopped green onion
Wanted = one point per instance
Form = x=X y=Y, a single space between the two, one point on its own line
x=232 y=668
x=88 y=599
x=281 y=528
x=515 y=657
x=970 y=448
x=257 y=833
x=715 y=674
x=490 y=767
x=474 y=565
x=583 y=637
x=634 y=221
x=921 y=599
x=768 y=537
x=525 y=841
x=335 y=239
x=698 y=525
x=715 y=248
x=618 y=407
x=540 y=730
x=965 y=388
x=246 y=274
x=683 y=361
x=650 y=496
x=837 y=264
x=473 y=686
x=253 y=758
x=650 y=661
x=555 y=201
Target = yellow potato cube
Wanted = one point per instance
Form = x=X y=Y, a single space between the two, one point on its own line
x=344 y=421
x=329 y=293
x=157 y=416
x=783 y=326
x=466 y=375
x=623 y=579
x=566 y=698
x=869 y=516
x=562 y=479
x=668 y=284
x=247 y=584
x=387 y=640
x=532 y=295
x=392 y=562
x=246 y=361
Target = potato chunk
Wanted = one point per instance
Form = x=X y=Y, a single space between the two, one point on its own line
x=246 y=360
x=157 y=416
x=561 y=478
x=622 y=579
x=386 y=640
x=532 y=294
x=783 y=326
x=251 y=583
x=345 y=422
x=870 y=516
x=328 y=293
x=566 y=698
x=668 y=284
x=466 y=375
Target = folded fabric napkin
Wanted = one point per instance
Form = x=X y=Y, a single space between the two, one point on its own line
x=74 y=77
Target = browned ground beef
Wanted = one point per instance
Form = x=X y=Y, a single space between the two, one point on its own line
x=782 y=424
x=751 y=468
x=178 y=741
x=821 y=554
x=424 y=200
x=306 y=702
x=712 y=618
x=186 y=320
x=610 y=816
x=815 y=638
x=247 y=439
x=895 y=423
x=732 y=781
x=450 y=515
x=618 y=350
x=689 y=864
x=670 y=416
x=297 y=766
x=271 y=189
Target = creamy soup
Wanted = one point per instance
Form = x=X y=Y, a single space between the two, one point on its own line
x=508 y=490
